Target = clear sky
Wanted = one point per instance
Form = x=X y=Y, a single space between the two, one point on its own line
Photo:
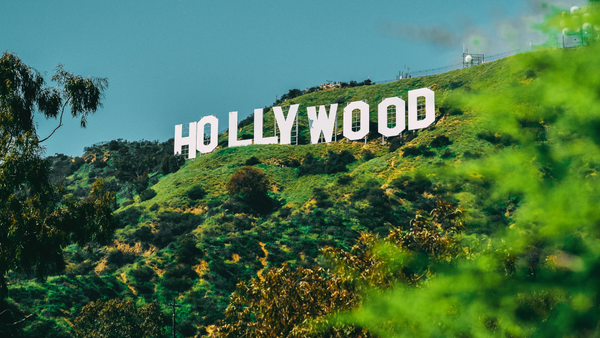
x=172 y=62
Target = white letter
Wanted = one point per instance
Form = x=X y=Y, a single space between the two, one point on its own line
x=233 y=123
x=214 y=134
x=285 y=125
x=383 y=116
x=429 y=95
x=364 y=120
x=322 y=123
x=258 y=129
x=190 y=140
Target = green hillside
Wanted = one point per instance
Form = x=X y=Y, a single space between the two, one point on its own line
x=182 y=235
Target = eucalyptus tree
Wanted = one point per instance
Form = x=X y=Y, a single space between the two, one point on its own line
x=34 y=225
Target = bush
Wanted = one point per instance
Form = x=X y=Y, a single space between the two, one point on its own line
x=322 y=198
x=171 y=164
x=248 y=184
x=411 y=151
x=285 y=212
x=130 y=216
x=119 y=258
x=126 y=203
x=367 y=156
x=447 y=154
x=334 y=163
x=113 y=145
x=147 y=194
x=252 y=161
x=141 y=183
x=344 y=180
x=491 y=137
x=455 y=84
x=143 y=274
x=76 y=164
x=421 y=150
x=441 y=141
x=395 y=143
x=196 y=193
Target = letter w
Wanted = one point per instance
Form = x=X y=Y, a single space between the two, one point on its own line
x=321 y=123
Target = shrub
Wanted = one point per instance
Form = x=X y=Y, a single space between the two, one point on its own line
x=80 y=192
x=113 y=145
x=411 y=151
x=141 y=183
x=447 y=154
x=171 y=164
x=420 y=150
x=154 y=207
x=367 y=156
x=309 y=166
x=126 y=203
x=455 y=84
x=344 y=179
x=441 y=141
x=322 y=198
x=334 y=163
x=143 y=274
x=119 y=258
x=248 y=184
x=196 y=193
x=130 y=216
x=143 y=234
x=179 y=278
x=252 y=161
x=76 y=164
x=395 y=143
x=292 y=163
x=285 y=212
x=147 y=194
x=491 y=137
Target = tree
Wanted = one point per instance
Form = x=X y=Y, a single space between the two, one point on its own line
x=248 y=184
x=34 y=226
x=287 y=302
x=119 y=319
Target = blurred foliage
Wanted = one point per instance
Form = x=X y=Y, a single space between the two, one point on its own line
x=539 y=276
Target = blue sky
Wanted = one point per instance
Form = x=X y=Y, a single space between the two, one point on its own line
x=172 y=62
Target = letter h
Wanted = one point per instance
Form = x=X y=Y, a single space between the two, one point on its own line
x=190 y=140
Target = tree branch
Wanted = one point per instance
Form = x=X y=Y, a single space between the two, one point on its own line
x=17 y=322
x=59 y=122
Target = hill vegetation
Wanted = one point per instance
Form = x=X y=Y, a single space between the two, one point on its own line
x=483 y=224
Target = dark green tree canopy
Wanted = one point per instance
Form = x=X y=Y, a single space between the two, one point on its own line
x=34 y=226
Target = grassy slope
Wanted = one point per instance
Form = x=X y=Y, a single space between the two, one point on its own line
x=61 y=297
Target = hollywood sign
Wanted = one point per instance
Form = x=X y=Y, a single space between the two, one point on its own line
x=321 y=123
